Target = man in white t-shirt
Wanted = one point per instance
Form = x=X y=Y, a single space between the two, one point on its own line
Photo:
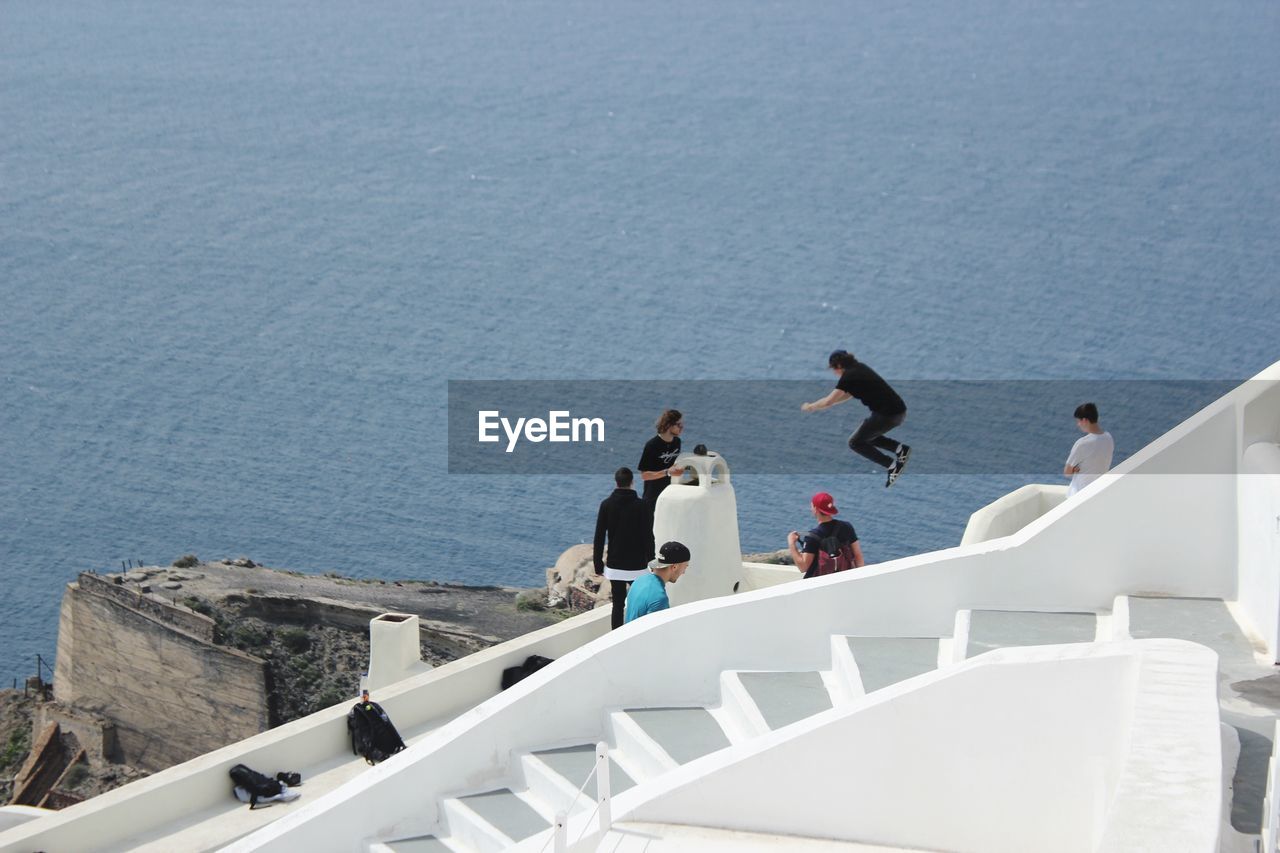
x=1090 y=456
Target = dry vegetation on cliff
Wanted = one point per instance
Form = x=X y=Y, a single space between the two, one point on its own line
x=311 y=633
x=16 y=710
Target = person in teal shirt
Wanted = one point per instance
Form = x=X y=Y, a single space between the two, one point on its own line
x=649 y=593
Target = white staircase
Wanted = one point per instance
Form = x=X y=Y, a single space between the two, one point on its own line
x=644 y=743
x=519 y=812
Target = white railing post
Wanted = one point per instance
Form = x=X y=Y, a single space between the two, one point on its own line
x=602 y=786
x=561 y=833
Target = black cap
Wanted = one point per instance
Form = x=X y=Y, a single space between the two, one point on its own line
x=673 y=552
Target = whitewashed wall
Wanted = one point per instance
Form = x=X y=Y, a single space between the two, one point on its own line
x=1259 y=491
x=199 y=785
x=1125 y=537
x=11 y=816
x=1170 y=530
x=1259 y=501
x=1000 y=759
x=1026 y=749
x=1010 y=513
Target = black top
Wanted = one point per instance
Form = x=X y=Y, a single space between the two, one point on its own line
x=658 y=455
x=866 y=385
x=624 y=519
x=842 y=530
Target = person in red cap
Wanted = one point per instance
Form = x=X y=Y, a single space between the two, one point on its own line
x=832 y=546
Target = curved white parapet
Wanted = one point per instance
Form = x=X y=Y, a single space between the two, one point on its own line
x=700 y=510
x=765 y=575
x=1008 y=514
x=1259 y=532
x=1110 y=748
x=11 y=816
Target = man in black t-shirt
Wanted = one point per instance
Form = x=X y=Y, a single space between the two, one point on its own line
x=856 y=380
x=660 y=452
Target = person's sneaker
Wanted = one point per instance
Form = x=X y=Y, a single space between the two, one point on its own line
x=900 y=462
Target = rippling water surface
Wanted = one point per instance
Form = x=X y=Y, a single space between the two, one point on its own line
x=243 y=246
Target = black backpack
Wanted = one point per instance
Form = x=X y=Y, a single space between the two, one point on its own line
x=515 y=674
x=254 y=782
x=372 y=735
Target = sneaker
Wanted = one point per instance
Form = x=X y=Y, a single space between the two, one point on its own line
x=894 y=470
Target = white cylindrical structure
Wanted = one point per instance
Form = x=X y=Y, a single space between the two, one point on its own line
x=394 y=650
x=700 y=510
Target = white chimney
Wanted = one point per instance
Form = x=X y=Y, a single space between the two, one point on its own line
x=700 y=510
x=395 y=652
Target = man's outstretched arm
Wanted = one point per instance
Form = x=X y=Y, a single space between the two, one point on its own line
x=836 y=396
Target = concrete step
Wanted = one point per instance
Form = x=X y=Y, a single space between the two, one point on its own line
x=503 y=810
x=549 y=788
x=882 y=661
x=425 y=844
x=466 y=829
x=683 y=733
x=786 y=697
x=1206 y=621
x=573 y=765
x=979 y=631
x=737 y=713
x=635 y=751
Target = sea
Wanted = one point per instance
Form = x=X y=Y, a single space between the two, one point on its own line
x=246 y=247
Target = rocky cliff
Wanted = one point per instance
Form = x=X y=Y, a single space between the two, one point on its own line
x=154 y=669
x=160 y=664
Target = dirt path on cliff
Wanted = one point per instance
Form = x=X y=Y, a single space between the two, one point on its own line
x=488 y=612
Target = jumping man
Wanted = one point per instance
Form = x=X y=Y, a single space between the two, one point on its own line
x=855 y=379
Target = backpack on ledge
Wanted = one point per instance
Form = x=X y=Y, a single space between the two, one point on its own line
x=373 y=737
x=515 y=674
x=257 y=785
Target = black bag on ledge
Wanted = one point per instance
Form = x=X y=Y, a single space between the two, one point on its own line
x=373 y=737
x=514 y=674
x=258 y=785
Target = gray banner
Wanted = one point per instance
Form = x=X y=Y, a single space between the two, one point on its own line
x=1023 y=427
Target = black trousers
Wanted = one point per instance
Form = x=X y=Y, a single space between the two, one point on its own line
x=869 y=439
x=618 y=589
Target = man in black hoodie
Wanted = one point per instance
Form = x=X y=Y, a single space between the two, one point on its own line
x=625 y=521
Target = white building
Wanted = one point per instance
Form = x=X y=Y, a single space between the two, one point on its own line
x=1094 y=675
